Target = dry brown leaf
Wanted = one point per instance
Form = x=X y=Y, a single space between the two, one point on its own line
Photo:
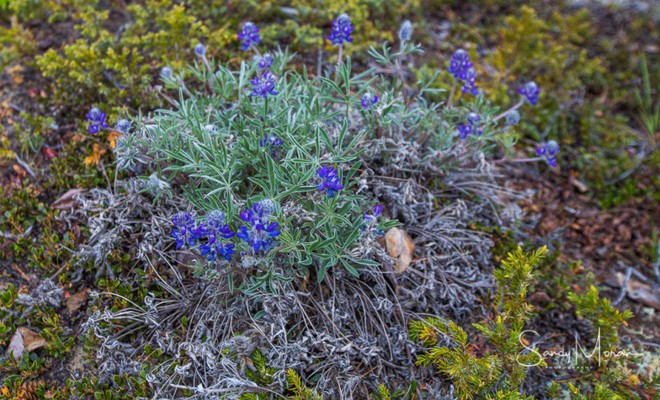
x=74 y=302
x=67 y=200
x=23 y=340
x=401 y=248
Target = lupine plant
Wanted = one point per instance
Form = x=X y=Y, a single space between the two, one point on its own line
x=273 y=157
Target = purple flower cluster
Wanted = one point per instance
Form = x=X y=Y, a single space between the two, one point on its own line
x=371 y=221
x=462 y=69
x=266 y=61
x=405 y=32
x=368 y=99
x=530 y=92
x=123 y=126
x=548 y=151
x=264 y=85
x=342 y=28
x=329 y=180
x=470 y=126
x=259 y=233
x=200 y=50
x=470 y=85
x=214 y=228
x=186 y=232
x=166 y=73
x=183 y=231
x=270 y=141
x=249 y=35
x=96 y=118
x=374 y=214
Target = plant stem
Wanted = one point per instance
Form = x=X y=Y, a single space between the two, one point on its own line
x=451 y=94
x=520 y=160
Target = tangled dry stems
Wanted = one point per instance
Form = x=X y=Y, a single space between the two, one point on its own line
x=351 y=332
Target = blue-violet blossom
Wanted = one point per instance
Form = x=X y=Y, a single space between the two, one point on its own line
x=374 y=214
x=166 y=73
x=214 y=228
x=342 y=28
x=405 y=33
x=330 y=180
x=259 y=232
x=530 y=92
x=462 y=69
x=184 y=230
x=470 y=85
x=548 y=151
x=460 y=64
x=97 y=119
x=513 y=118
x=270 y=140
x=266 y=61
x=264 y=85
x=470 y=126
x=200 y=50
x=368 y=99
x=123 y=126
x=249 y=35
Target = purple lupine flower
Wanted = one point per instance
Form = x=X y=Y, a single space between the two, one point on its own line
x=259 y=233
x=249 y=35
x=462 y=69
x=513 y=118
x=342 y=28
x=215 y=225
x=214 y=228
x=460 y=64
x=270 y=141
x=374 y=214
x=530 y=92
x=470 y=126
x=212 y=250
x=266 y=61
x=200 y=50
x=184 y=229
x=123 y=126
x=548 y=151
x=330 y=180
x=166 y=73
x=405 y=33
x=368 y=99
x=264 y=85
x=97 y=119
x=470 y=85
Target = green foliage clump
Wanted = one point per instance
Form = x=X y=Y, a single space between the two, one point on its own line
x=498 y=370
x=299 y=389
x=605 y=319
x=118 y=49
x=408 y=393
x=550 y=52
